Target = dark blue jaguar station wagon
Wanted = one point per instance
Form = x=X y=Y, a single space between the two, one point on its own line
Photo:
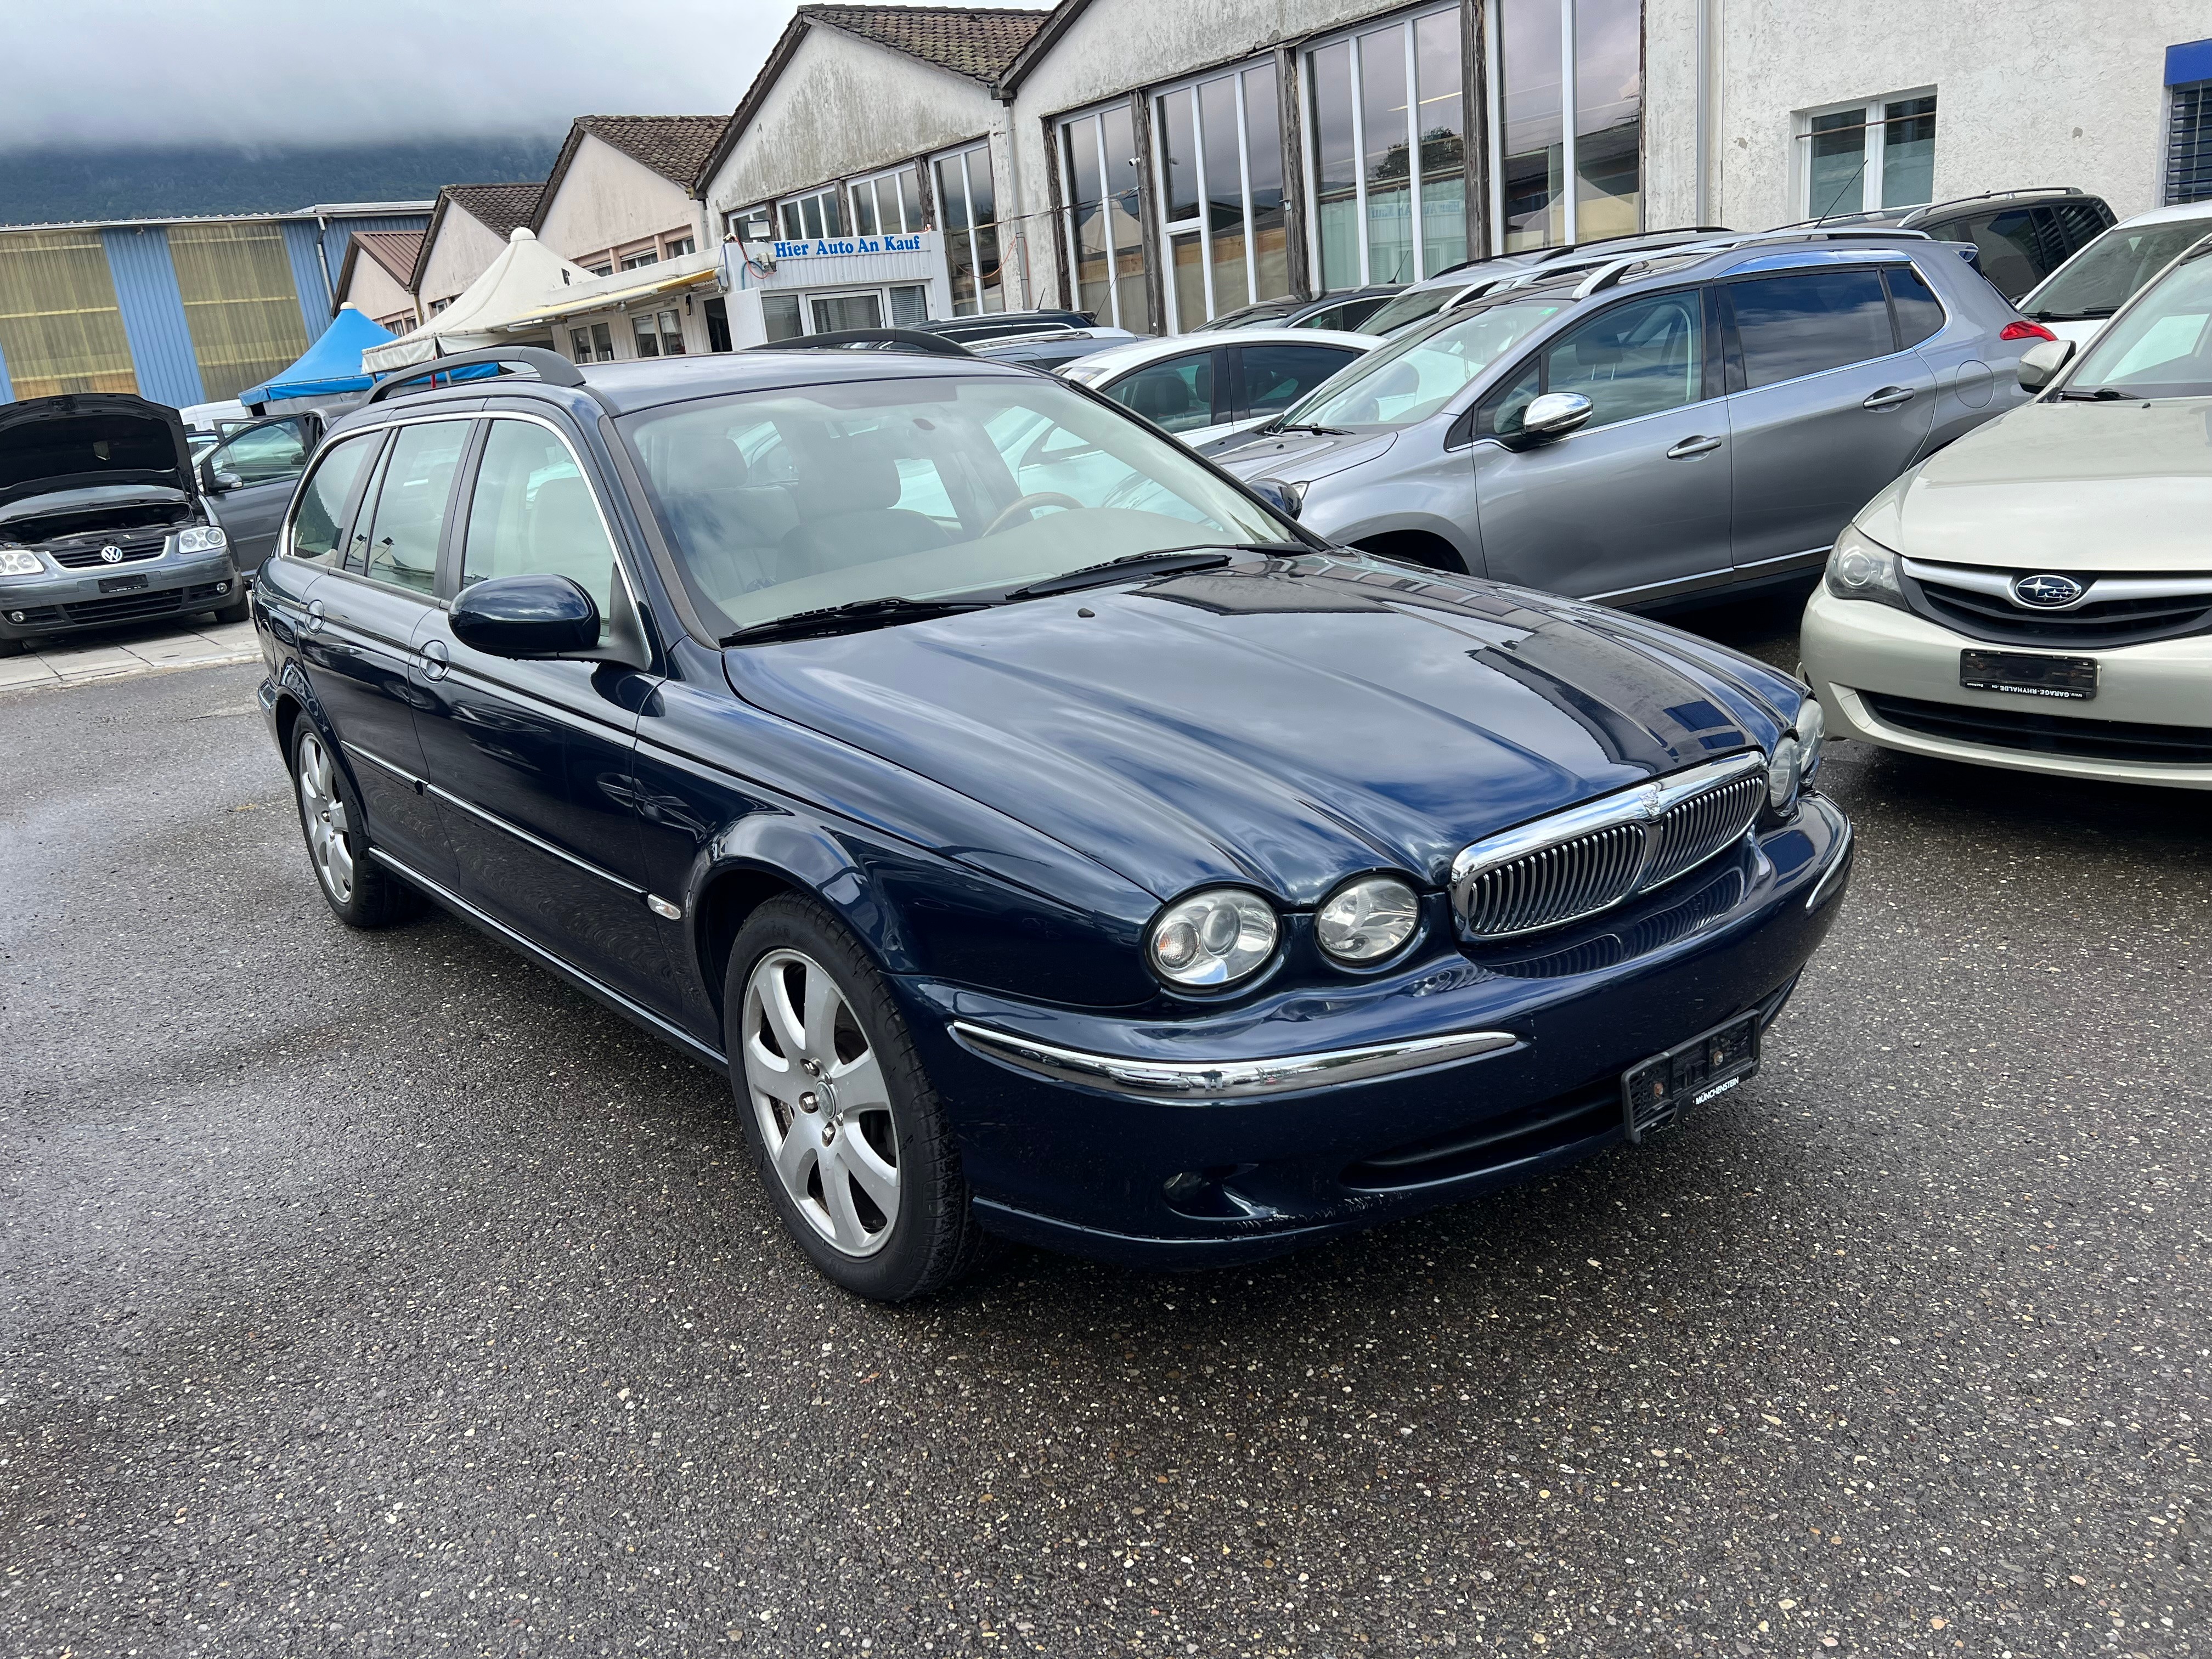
x=1050 y=838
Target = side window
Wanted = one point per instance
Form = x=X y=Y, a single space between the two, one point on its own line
x=2079 y=224
x=1176 y=396
x=1277 y=376
x=1503 y=413
x=410 y=504
x=532 y=514
x=2010 y=257
x=1635 y=359
x=1919 y=312
x=319 y=520
x=1809 y=321
x=262 y=454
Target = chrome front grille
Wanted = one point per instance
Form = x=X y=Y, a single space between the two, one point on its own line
x=1590 y=858
x=2114 y=609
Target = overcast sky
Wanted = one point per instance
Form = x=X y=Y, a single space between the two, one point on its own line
x=102 y=72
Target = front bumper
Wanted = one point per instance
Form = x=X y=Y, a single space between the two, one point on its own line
x=1198 y=1142
x=38 y=606
x=1853 y=647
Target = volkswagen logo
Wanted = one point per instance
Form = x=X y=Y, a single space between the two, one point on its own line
x=2047 y=592
x=110 y=553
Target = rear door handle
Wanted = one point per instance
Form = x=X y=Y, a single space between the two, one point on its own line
x=1690 y=448
x=1890 y=397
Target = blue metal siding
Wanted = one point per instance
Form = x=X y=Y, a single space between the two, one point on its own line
x=2190 y=62
x=312 y=281
x=7 y=386
x=153 y=315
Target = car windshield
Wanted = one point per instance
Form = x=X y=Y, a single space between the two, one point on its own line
x=1410 y=307
x=1415 y=376
x=804 y=497
x=2160 y=348
x=2098 y=281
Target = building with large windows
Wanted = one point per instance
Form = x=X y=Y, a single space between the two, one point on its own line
x=182 y=310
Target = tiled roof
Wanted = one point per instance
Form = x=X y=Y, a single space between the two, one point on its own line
x=394 y=250
x=500 y=209
x=673 y=146
x=977 y=43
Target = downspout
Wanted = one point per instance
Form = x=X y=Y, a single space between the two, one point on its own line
x=1702 y=213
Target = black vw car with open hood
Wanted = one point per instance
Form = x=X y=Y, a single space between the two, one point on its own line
x=1045 y=836
x=102 y=521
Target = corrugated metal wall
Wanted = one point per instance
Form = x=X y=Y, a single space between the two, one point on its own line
x=153 y=314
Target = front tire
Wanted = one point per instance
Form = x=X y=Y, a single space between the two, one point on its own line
x=361 y=892
x=850 y=1137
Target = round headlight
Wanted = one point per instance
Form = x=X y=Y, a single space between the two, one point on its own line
x=1782 y=773
x=1812 y=733
x=1368 y=920
x=1211 y=939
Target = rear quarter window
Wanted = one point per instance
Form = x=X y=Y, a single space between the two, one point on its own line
x=1919 y=312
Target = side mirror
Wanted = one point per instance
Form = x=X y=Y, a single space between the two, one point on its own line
x=1556 y=414
x=209 y=485
x=2040 y=363
x=1277 y=493
x=533 y=616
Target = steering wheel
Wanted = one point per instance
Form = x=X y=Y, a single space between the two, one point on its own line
x=1030 y=504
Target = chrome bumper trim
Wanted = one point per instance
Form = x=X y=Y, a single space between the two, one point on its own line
x=1194 y=1082
x=1831 y=882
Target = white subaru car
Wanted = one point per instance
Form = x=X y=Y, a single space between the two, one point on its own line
x=2038 y=595
x=1203 y=388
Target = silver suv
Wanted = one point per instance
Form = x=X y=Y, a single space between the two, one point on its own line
x=1671 y=425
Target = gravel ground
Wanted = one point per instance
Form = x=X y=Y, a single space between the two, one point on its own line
x=374 y=1294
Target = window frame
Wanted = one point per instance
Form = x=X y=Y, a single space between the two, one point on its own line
x=1065 y=211
x=453 y=554
x=875 y=183
x=1202 y=223
x=831 y=193
x=948 y=231
x=1718 y=365
x=1875 y=123
x=1738 y=376
x=1217 y=385
x=348 y=511
x=434 y=594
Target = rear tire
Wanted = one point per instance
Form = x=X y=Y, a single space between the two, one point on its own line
x=361 y=892
x=849 y=1136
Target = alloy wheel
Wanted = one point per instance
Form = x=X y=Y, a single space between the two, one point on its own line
x=818 y=1095
x=330 y=831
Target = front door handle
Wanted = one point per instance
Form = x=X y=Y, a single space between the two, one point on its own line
x=437 y=661
x=314 y=618
x=1890 y=397
x=1690 y=448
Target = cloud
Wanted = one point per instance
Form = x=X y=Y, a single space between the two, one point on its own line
x=294 y=73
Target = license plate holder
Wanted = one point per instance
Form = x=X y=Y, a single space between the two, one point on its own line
x=122 y=583
x=2029 y=674
x=1655 y=1094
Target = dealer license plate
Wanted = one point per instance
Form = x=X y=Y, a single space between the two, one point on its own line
x=1656 y=1093
x=2070 y=679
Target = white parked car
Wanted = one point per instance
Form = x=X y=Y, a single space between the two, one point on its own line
x=1204 y=387
x=2038 y=595
x=2073 y=302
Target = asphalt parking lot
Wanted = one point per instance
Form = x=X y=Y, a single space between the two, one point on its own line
x=375 y=1295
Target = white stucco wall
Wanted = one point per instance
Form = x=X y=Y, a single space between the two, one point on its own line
x=606 y=199
x=842 y=107
x=463 y=251
x=374 y=292
x=2032 y=92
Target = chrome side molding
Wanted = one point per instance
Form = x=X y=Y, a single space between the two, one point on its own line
x=1198 y=1082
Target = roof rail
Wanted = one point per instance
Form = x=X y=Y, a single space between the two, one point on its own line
x=551 y=367
x=1611 y=275
x=912 y=339
x=1567 y=250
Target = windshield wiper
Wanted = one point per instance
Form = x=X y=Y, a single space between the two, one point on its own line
x=1308 y=426
x=2103 y=394
x=2087 y=315
x=850 y=617
x=1162 y=562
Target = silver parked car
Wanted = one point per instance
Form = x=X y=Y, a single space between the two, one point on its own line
x=1668 y=425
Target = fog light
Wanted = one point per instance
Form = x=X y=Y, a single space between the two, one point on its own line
x=15 y=615
x=222 y=588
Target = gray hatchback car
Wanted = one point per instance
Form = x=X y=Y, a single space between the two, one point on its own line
x=1671 y=426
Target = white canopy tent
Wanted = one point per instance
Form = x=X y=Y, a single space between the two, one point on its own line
x=526 y=276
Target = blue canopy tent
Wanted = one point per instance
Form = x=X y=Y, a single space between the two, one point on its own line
x=330 y=367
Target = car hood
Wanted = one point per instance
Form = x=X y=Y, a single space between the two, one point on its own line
x=1301 y=457
x=2063 y=486
x=1278 y=723
x=85 y=439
